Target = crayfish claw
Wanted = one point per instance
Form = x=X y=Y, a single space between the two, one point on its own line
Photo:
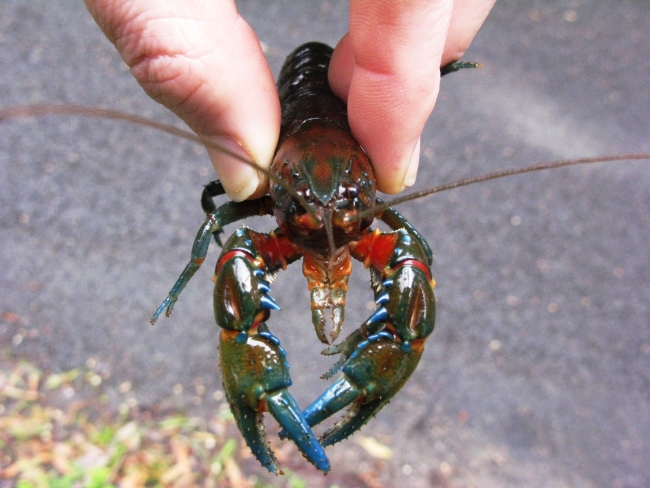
x=287 y=412
x=356 y=417
x=252 y=429
x=336 y=397
x=255 y=376
x=375 y=369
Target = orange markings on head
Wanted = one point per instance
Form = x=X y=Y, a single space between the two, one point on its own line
x=229 y=335
x=417 y=345
x=307 y=221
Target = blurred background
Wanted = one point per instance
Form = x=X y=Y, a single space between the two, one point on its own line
x=538 y=373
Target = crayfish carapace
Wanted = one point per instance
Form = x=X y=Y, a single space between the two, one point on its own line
x=324 y=181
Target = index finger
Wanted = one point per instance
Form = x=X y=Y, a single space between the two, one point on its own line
x=387 y=68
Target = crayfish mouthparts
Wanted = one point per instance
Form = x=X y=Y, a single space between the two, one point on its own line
x=308 y=222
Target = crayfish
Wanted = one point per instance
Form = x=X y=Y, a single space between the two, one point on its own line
x=324 y=182
x=323 y=197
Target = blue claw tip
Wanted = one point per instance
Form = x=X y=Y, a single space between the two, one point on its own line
x=268 y=302
x=263 y=286
x=270 y=337
x=382 y=299
x=388 y=283
x=379 y=335
x=379 y=315
x=259 y=273
x=274 y=340
x=287 y=412
x=241 y=338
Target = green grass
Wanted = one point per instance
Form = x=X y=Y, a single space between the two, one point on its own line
x=57 y=432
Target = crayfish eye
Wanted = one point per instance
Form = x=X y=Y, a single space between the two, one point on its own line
x=305 y=192
x=348 y=191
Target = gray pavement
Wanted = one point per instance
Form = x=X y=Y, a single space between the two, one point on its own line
x=539 y=371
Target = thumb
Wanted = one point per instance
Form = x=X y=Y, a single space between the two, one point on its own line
x=203 y=62
x=387 y=68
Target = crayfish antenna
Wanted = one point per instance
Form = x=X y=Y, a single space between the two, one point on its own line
x=329 y=230
x=502 y=174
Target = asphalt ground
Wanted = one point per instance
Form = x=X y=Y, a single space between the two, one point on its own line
x=538 y=373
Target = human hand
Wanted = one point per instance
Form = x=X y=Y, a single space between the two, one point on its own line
x=387 y=69
x=202 y=61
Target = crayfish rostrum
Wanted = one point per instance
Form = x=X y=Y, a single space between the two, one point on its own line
x=324 y=182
